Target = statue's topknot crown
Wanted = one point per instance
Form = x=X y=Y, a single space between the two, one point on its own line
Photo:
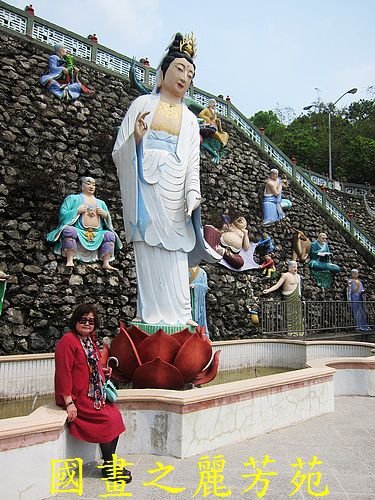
x=188 y=45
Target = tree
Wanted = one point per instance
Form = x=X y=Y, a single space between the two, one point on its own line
x=358 y=160
x=268 y=120
x=361 y=115
x=306 y=138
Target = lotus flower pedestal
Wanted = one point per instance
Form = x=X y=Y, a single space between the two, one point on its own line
x=161 y=360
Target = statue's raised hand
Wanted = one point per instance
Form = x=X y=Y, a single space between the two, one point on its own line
x=140 y=127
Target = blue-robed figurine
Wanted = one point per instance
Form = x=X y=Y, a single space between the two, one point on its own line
x=273 y=203
x=85 y=230
x=62 y=76
x=356 y=292
x=198 y=288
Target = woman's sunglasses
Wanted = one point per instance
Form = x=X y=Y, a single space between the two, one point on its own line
x=83 y=321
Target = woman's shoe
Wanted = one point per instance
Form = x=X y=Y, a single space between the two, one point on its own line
x=115 y=473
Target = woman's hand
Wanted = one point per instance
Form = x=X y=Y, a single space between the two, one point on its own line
x=107 y=370
x=140 y=127
x=72 y=412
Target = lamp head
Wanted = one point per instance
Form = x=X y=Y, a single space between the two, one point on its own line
x=352 y=91
x=306 y=108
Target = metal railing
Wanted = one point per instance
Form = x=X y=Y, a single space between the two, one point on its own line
x=46 y=33
x=317 y=319
x=321 y=180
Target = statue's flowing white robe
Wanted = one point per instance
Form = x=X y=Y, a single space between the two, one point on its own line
x=155 y=178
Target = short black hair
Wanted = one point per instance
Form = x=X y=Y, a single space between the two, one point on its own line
x=81 y=311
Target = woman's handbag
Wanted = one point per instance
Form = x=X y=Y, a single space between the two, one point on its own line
x=110 y=391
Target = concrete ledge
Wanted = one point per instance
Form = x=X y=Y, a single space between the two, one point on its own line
x=353 y=376
x=30 y=374
x=183 y=424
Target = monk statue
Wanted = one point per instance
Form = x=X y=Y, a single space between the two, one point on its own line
x=301 y=246
x=290 y=284
x=320 y=263
x=210 y=117
x=62 y=78
x=85 y=230
x=273 y=203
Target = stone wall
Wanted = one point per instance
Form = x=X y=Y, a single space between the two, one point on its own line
x=356 y=206
x=48 y=145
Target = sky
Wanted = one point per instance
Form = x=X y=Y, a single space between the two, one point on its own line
x=264 y=55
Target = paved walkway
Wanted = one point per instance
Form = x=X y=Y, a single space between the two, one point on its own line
x=344 y=441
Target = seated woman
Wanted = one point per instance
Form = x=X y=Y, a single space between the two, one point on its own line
x=210 y=117
x=79 y=388
x=62 y=78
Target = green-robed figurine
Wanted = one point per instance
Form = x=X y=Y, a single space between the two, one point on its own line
x=85 y=230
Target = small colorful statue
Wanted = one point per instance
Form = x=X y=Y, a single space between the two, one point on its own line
x=356 y=297
x=301 y=246
x=85 y=230
x=273 y=203
x=268 y=266
x=290 y=284
x=198 y=292
x=3 y=285
x=62 y=77
x=265 y=245
x=320 y=263
x=233 y=243
x=214 y=139
x=209 y=115
x=254 y=315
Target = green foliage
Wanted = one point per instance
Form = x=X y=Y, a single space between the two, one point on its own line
x=306 y=138
x=268 y=120
x=358 y=160
x=361 y=115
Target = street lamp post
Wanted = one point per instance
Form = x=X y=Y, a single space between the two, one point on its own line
x=351 y=91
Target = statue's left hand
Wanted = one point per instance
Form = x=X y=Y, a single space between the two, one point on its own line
x=193 y=200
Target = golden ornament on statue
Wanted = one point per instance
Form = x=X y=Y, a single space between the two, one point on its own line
x=188 y=45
